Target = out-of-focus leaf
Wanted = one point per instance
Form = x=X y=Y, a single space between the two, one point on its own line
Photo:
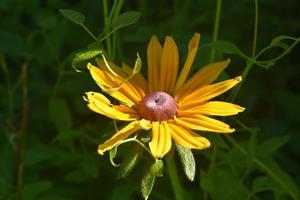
x=188 y=161
x=124 y=192
x=60 y=114
x=270 y=146
x=90 y=165
x=33 y=190
x=157 y=168
x=130 y=161
x=67 y=135
x=147 y=184
x=263 y=183
x=75 y=16
x=282 y=178
x=226 y=47
x=219 y=183
x=126 y=19
x=12 y=43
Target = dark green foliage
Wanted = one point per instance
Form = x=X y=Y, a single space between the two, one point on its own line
x=61 y=136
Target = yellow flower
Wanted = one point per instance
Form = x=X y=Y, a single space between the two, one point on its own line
x=171 y=107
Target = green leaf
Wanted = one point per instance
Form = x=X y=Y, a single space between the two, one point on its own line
x=90 y=165
x=60 y=114
x=84 y=55
x=75 y=16
x=126 y=19
x=219 y=184
x=272 y=145
x=263 y=183
x=282 y=178
x=130 y=161
x=157 y=168
x=67 y=135
x=147 y=184
x=226 y=47
x=112 y=155
x=188 y=161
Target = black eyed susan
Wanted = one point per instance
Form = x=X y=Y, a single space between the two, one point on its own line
x=168 y=104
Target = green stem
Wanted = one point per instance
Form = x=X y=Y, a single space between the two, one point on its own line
x=116 y=14
x=8 y=87
x=107 y=28
x=216 y=28
x=249 y=65
x=177 y=188
x=255 y=30
x=21 y=134
x=89 y=32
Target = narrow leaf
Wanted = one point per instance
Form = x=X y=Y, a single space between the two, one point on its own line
x=147 y=185
x=188 y=161
x=130 y=161
x=75 y=16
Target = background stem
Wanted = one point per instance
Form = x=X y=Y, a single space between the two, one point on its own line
x=175 y=182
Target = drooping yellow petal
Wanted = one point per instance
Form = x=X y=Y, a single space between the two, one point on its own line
x=216 y=108
x=138 y=80
x=117 y=87
x=122 y=78
x=193 y=47
x=154 y=51
x=188 y=138
x=119 y=137
x=161 y=141
x=207 y=92
x=100 y=104
x=203 y=123
x=203 y=77
x=169 y=66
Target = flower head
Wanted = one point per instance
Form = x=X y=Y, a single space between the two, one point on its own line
x=168 y=104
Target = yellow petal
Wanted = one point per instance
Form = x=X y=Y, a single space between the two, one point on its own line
x=154 y=51
x=188 y=138
x=161 y=141
x=100 y=104
x=115 y=86
x=118 y=137
x=169 y=66
x=216 y=108
x=207 y=92
x=204 y=76
x=138 y=80
x=193 y=47
x=116 y=69
x=203 y=123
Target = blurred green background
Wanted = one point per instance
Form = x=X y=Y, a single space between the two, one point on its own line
x=59 y=135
